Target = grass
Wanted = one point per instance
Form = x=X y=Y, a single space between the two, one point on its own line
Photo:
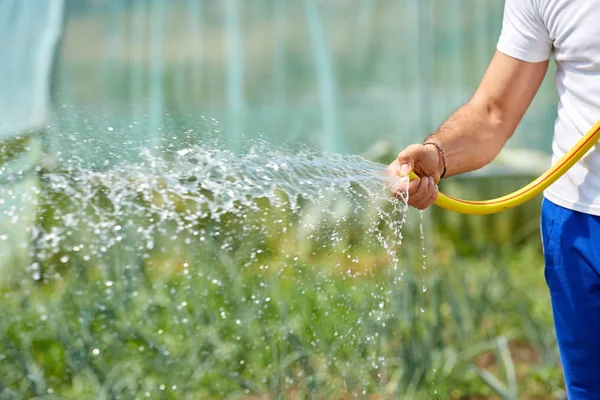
x=297 y=320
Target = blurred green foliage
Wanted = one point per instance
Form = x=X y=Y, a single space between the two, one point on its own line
x=192 y=320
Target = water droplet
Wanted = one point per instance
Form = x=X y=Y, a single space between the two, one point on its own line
x=95 y=352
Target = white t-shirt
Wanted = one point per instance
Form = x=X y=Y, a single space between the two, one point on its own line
x=532 y=31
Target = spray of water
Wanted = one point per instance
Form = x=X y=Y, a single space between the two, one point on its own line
x=293 y=249
x=188 y=191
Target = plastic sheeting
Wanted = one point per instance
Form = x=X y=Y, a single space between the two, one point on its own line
x=29 y=31
x=339 y=75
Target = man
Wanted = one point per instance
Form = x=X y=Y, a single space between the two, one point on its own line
x=532 y=32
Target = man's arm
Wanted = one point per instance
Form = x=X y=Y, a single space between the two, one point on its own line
x=474 y=135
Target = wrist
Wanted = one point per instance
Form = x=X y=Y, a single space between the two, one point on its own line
x=442 y=164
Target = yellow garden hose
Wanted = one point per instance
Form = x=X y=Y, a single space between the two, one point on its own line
x=528 y=192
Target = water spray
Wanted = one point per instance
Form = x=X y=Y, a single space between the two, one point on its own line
x=526 y=193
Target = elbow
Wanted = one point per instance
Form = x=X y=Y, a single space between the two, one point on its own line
x=495 y=119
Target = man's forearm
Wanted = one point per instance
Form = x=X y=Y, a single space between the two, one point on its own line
x=471 y=138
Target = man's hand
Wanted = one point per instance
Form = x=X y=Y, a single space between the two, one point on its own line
x=426 y=162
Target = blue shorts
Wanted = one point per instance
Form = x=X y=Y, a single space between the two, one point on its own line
x=571 y=242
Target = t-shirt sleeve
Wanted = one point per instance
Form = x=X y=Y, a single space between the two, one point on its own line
x=524 y=35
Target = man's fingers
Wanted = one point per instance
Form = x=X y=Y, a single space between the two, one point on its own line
x=402 y=185
x=396 y=183
x=430 y=199
x=417 y=190
x=422 y=193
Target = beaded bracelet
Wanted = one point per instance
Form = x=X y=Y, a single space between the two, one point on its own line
x=441 y=150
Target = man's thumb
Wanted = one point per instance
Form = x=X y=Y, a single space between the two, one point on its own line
x=406 y=161
x=405 y=169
